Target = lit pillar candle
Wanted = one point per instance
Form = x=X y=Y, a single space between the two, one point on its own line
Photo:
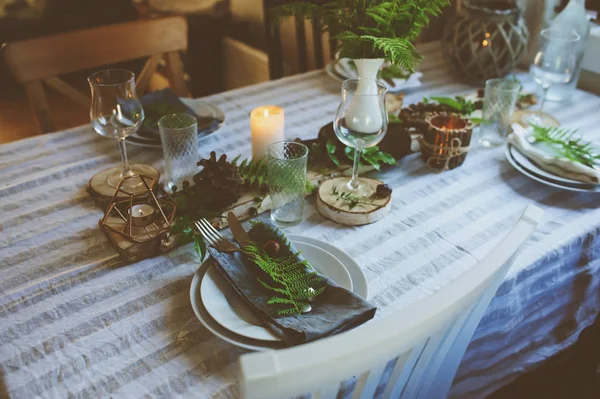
x=266 y=126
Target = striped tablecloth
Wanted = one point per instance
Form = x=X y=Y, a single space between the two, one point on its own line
x=75 y=322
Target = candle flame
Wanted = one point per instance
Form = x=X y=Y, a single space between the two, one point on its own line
x=266 y=112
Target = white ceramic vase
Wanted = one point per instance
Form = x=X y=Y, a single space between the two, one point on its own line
x=366 y=117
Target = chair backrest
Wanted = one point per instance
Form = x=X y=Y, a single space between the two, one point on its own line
x=427 y=340
x=273 y=41
x=43 y=59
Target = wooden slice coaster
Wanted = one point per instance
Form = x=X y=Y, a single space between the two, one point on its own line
x=349 y=212
x=102 y=192
x=520 y=117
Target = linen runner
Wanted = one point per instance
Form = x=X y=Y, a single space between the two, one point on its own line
x=76 y=322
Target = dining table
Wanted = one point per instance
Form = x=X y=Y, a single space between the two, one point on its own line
x=77 y=322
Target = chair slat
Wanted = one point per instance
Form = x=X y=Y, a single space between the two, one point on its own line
x=301 y=43
x=317 y=34
x=442 y=381
x=273 y=41
x=444 y=350
x=330 y=392
x=144 y=77
x=333 y=43
x=39 y=106
x=62 y=87
x=174 y=73
x=368 y=382
x=402 y=371
x=430 y=350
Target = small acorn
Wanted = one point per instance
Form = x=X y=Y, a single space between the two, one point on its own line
x=271 y=247
x=186 y=184
x=174 y=188
x=383 y=190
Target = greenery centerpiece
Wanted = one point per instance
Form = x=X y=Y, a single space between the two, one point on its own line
x=370 y=29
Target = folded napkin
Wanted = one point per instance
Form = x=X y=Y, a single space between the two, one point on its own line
x=335 y=310
x=545 y=159
x=164 y=102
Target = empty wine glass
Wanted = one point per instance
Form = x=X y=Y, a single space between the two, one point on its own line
x=116 y=112
x=554 y=63
x=361 y=121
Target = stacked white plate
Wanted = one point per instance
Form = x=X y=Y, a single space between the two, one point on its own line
x=530 y=169
x=201 y=109
x=221 y=311
x=342 y=69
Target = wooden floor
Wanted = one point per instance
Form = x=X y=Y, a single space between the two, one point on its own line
x=16 y=120
x=573 y=374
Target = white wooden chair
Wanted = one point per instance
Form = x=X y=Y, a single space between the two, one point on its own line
x=427 y=339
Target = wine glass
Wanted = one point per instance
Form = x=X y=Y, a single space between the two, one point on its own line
x=361 y=121
x=117 y=112
x=554 y=63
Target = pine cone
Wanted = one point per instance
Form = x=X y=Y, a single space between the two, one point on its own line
x=218 y=184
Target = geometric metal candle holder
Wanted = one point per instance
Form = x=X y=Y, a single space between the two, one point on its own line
x=138 y=224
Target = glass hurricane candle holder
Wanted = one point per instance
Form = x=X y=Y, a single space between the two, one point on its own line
x=446 y=141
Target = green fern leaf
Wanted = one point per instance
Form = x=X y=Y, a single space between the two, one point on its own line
x=295 y=281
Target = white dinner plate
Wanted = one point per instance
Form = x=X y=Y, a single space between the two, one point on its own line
x=230 y=311
x=359 y=283
x=529 y=169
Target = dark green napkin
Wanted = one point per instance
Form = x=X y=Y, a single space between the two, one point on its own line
x=333 y=311
x=163 y=102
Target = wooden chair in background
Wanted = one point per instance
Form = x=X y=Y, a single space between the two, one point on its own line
x=40 y=61
x=426 y=341
x=273 y=36
x=273 y=41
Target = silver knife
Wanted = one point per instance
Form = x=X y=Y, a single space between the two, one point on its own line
x=237 y=230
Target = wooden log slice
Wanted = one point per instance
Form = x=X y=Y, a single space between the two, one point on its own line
x=346 y=212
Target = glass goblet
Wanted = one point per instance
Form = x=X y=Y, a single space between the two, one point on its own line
x=361 y=122
x=116 y=112
x=554 y=63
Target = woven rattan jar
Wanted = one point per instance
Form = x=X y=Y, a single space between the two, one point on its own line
x=485 y=40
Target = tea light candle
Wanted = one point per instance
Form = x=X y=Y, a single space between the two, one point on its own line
x=267 y=127
x=141 y=214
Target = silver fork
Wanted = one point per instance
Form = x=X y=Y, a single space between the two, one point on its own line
x=214 y=238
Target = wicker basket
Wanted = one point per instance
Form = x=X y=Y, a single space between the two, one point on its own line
x=485 y=40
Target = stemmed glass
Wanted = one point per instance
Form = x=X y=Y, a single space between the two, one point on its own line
x=554 y=63
x=361 y=122
x=117 y=112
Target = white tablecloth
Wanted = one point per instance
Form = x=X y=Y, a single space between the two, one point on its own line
x=75 y=322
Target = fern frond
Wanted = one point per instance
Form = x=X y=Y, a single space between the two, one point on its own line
x=566 y=144
x=371 y=28
x=400 y=51
x=295 y=281
x=253 y=172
